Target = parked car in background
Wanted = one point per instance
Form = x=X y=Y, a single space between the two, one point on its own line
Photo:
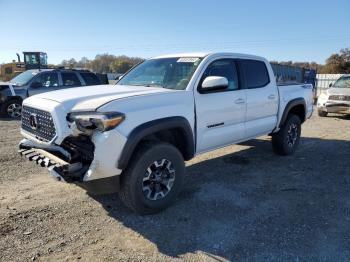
x=33 y=82
x=335 y=99
x=134 y=136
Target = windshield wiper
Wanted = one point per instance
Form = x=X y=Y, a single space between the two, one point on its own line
x=147 y=85
x=154 y=86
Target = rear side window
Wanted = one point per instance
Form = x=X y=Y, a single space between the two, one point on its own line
x=90 y=79
x=255 y=73
x=70 y=79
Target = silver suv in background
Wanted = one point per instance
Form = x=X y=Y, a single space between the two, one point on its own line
x=36 y=81
x=335 y=99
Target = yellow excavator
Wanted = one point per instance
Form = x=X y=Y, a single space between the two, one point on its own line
x=32 y=60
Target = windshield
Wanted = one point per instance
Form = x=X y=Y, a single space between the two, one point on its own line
x=343 y=82
x=23 y=78
x=171 y=73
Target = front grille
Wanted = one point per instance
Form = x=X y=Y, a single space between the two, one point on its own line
x=339 y=97
x=39 y=123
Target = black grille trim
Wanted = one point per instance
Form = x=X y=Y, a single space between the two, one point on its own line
x=339 y=97
x=46 y=129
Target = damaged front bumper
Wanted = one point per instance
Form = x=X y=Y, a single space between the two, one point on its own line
x=69 y=163
x=56 y=159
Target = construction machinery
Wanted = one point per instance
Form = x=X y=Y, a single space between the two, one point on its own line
x=32 y=60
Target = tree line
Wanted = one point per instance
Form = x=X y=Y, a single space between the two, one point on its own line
x=104 y=63
x=338 y=63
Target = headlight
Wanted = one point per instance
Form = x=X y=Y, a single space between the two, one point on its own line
x=323 y=96
x=89 y=121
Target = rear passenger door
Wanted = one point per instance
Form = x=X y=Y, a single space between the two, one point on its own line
x=262 y=97
x=70 y=79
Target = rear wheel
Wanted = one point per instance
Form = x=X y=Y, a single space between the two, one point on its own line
x=286 y=140
x=322 y=113
x=153 y=178
x=11 y=109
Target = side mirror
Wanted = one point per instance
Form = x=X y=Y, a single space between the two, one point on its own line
x=119 y=77
x=36 y=84
x=331 y=84
x=214 y=83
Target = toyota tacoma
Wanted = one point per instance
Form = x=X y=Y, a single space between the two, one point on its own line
x=134 y=137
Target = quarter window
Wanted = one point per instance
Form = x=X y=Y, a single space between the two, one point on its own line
x=255 y=73
x=90 y=79
x=225 y=68
x=70 y=79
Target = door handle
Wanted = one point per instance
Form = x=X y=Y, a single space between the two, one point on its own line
x=271 y=97
x=239 y=101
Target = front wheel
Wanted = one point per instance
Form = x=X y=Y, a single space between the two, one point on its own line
x=153 y=178
x=286 y=140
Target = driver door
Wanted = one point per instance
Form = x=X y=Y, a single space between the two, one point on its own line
x=220 y=114
x=44 y=82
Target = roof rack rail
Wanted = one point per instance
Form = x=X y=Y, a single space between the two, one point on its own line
x=70 y=69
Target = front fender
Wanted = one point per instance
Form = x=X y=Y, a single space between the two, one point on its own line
x=151 y=127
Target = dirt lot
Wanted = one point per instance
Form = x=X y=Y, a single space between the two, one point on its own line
x=239 y=203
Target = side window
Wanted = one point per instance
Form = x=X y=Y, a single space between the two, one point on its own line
x=48 y=79
x=43 y=59
x=31 y=59
x=255 y=73
x=70 y=79
x=90 y=79
x=225 y=68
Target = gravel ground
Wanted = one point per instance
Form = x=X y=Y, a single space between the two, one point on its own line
x=240 y=203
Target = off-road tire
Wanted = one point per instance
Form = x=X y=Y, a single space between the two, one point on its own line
x=131 y=187
x=322 y=113
x=280 y=140
x=5 y=105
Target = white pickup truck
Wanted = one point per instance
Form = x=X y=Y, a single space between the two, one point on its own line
x=133 y=137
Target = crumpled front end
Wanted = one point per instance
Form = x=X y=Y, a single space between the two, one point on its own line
x=70 y=155
x=69 y=161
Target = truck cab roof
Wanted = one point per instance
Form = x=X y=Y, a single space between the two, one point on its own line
x=205 y=54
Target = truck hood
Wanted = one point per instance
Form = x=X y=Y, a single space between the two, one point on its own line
x=338 y=91
x=92 y=97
